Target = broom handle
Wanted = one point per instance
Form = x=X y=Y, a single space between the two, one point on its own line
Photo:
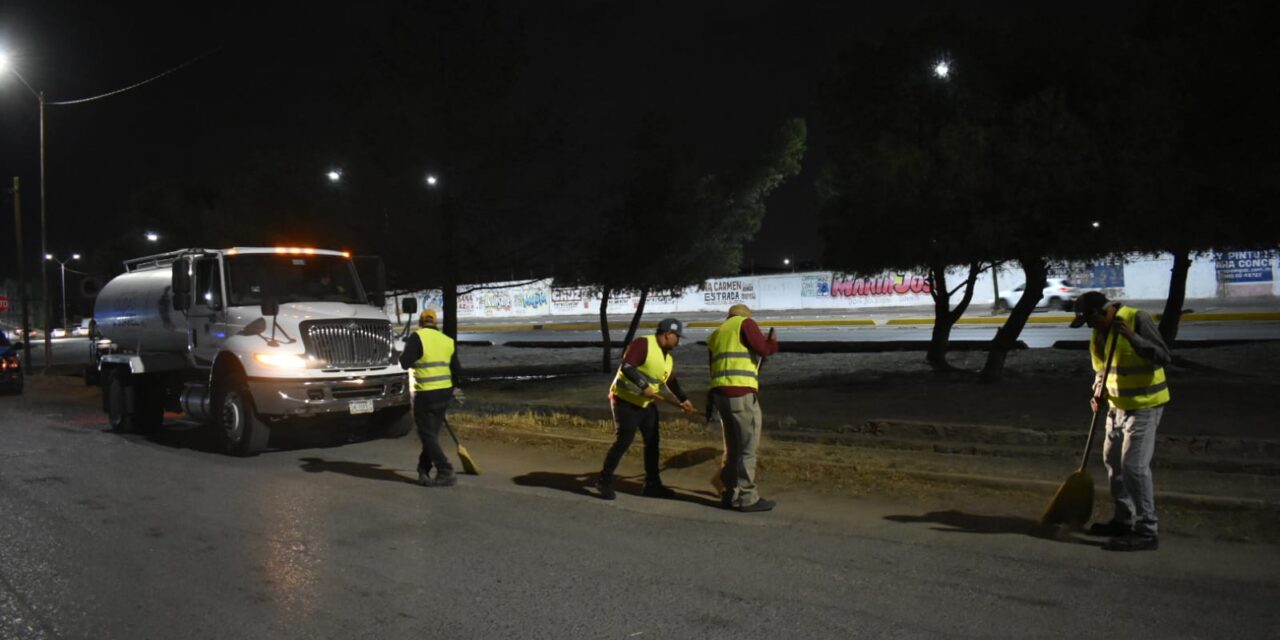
x=1093 y=425
x=451 y=433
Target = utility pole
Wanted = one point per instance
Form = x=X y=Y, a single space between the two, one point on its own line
x=44 y=249
x=22 y=274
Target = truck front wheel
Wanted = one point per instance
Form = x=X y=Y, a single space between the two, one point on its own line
x=395 y=422
x=241 y=431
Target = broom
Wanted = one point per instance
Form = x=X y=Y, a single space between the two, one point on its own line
x=468 y=464
x=1073 y=504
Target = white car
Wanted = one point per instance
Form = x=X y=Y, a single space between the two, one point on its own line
x=1059 y=293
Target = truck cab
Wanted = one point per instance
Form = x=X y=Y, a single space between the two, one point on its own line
x=242 y=338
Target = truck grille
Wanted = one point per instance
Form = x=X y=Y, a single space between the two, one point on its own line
x=348 y=344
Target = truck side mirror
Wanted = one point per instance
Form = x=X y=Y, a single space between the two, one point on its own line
x=270 y=307
x=181 y=285
x=409 y=305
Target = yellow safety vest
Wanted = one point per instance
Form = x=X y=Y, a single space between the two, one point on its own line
x=732 y=364
x=657 y=367
x=431 y=371
x=1134 y=383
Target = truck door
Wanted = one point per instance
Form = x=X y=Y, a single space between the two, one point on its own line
x=207 y=316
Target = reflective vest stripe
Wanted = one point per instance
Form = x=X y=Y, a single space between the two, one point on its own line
x=1130 y=393
x=1134 y=383
x=431 y=370
x=656 y=368
x=732 y=364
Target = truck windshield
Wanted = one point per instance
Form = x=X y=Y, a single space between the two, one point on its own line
x=291 y=278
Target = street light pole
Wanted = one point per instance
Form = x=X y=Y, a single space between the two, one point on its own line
x=44 y=273
x=63 y=264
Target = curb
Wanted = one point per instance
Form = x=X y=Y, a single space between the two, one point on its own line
x=1241 y=316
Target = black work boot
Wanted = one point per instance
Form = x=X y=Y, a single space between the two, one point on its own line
x=1132 y=542
x=445 y=478
x=604 y=484
x=424 y=477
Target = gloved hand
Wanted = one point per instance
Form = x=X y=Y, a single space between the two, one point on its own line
x=459 y=398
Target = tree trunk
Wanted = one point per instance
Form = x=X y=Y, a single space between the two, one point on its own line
x=1177 y=296
x=944 y=317
x=1036 y=271
x=635 y=318
x=449 y=293
x=606 y=358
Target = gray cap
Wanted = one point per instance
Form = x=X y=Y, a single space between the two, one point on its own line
x=1089 y=303
x=671 y=324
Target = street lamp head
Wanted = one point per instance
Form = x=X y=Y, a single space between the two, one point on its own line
x=152 y=236
x=786 y=261
x=431 y=180
x=1096 y=224
x=942 y=69
x=4 y=61
x=48 y=256
x=75 y=256
x=334 y=175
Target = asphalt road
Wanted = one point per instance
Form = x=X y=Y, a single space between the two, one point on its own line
x=109 y=536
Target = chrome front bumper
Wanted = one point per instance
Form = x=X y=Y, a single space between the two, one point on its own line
x=321 y=396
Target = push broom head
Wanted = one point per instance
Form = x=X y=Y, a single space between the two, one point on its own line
x=1073 y=504
x=468 y=463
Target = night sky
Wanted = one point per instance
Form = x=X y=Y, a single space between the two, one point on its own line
x=727 y=73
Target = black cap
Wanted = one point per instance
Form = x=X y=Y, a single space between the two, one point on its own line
x=671 y=324
x=1089 y=303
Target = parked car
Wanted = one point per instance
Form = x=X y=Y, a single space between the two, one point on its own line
x=1059 y=293
x=11 y=378
x=57 y=332
x=81 y=329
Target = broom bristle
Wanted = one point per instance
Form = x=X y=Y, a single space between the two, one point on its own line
x=468 y=464
x=1073 y=504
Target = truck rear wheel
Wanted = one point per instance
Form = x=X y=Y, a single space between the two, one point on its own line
x=241 y=431
x=133 y=404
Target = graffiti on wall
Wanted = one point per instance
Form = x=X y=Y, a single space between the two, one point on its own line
x=729 y=291
x=843 y=286
x=815 y=286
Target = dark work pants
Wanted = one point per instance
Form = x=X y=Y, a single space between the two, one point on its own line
x=428 y=413
x=627 y=419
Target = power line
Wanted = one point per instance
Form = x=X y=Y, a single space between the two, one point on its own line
x=137 y=84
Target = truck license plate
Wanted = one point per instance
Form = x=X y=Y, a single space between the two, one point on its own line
x=361 y=406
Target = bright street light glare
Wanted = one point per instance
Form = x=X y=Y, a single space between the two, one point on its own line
x=334 y=175
x=48 y=256
x=786 y=261
x=4 y=61
x=1096 y=224
x=152 y=236
x=75 y=256
x=942 y=69
x=431 y=180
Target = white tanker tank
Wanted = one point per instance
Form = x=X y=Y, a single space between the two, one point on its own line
x=243 y=338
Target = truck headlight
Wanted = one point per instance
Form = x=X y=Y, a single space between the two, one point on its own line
x=282 y=360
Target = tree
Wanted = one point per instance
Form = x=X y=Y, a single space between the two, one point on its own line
x=675 y=225
x=909 y=144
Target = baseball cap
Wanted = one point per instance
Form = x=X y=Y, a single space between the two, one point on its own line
x=428 y=316
x=671 y=324
x=740 y=310
x=1089 y=303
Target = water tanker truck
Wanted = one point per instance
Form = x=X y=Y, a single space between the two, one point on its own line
x=244 y=338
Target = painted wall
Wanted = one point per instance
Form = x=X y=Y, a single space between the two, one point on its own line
x=1134 y=277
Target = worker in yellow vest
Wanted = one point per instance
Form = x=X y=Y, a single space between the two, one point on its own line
x=736 y=350
x=646 y=367
x=1136 y=392
x=434 y=360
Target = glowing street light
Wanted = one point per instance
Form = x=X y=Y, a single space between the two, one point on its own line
x=63 y=264
x=152 y=236
x=4 y=62
x=1096 y=224
x=431 y=180
x=334 y=175
x=942 y=69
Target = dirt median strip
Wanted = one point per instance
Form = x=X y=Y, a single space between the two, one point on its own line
x=864 y=470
